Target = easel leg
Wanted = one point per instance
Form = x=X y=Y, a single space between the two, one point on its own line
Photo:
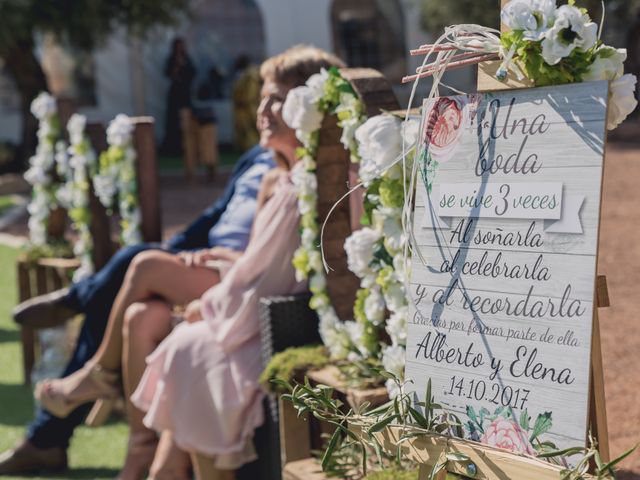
x=597 y=409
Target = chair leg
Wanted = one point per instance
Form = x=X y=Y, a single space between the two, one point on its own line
x=204 y=469
x=28 y=339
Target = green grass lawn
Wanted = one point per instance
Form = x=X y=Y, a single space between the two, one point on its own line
x=95 y=453
x=6 y=202
x=168 y=163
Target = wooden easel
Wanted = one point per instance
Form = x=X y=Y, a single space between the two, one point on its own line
x=490 y=463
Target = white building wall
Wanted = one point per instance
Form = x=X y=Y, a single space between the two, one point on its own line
x=289 y=22
x=133 y=81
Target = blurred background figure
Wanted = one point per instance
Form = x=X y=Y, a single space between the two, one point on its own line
x=246 y=97
x=180 y=71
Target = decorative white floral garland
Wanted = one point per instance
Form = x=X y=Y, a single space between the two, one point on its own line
x=116 y=178
x=77 y=165
x=41 y=168
x=305 y=107
x=376 y=252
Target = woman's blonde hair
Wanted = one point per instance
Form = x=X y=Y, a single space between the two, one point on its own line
x=295 y=65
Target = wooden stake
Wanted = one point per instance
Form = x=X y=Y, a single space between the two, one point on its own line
x=147 y=175
x=100 y=227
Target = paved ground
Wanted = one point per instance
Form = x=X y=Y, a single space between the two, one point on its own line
x=619 y=260
x=620 y=324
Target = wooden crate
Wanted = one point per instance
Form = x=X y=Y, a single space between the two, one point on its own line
x=37 y=278
x=299 y=435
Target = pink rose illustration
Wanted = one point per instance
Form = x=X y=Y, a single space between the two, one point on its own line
x=445 y=121
x=507 y=434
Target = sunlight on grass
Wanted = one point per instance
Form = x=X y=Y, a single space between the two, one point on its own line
x=94 y=453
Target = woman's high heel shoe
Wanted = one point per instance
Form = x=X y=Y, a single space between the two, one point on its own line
x=63 y=396
x=100 y=412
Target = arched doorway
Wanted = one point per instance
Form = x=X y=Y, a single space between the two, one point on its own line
x=370 y=33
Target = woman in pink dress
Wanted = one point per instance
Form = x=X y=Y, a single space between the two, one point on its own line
x=200 y=388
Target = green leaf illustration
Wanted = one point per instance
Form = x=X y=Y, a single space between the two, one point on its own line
x=542 y=425
x=524 y=420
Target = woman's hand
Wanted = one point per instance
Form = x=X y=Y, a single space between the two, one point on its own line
x=202 y=258
x=192 y=313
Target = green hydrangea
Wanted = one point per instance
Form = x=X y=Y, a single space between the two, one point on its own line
x=385 y=276
x=301 y=261
x=391 y=193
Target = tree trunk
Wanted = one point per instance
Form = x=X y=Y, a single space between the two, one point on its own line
x=30 y=80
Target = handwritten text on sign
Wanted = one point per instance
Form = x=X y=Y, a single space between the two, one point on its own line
x=507 y=219
x=501 y=200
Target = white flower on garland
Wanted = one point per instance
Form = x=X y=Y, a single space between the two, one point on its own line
x=316 y=84
x=359 y=248
x=105 y=185
x=115 y=183
x=355 y=333
x=307 y=187
x=393 y=362
x=41 y=166
x=120 y=131
x=304 y=110
x=374 y=306
x=397 y=326
x=533 y=17
x=300 y=111
x=44 y=107
x=78 y=168
x=379 y=144
x=387 y=220
x=395 y=296
x=571 y=29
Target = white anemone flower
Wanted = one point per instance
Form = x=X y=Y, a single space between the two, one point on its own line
x=622 y=99
x=607 y=65
x=571 y=29
x=533 y=17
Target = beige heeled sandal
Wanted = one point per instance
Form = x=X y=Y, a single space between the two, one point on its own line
x=100 y=412
x=53 y=398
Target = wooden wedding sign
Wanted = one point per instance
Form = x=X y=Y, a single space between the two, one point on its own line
x=507 y=220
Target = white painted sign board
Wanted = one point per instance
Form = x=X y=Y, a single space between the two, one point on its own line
x=507 y=219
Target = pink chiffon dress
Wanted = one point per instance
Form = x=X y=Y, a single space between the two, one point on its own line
x=202 y=380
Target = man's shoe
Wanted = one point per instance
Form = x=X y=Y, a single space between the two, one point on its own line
x=44 y=311
x=26 y=458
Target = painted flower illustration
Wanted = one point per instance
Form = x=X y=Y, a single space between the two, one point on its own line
x=503 y=429
x=443 y=124
x=506 y=433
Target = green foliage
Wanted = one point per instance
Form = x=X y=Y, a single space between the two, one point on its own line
x=529 y=54
x=82 y=23
x=391 y=193
x=436 y=15
x=355 y=442
x=284 y=366
x=95 y=453
x=53 y=249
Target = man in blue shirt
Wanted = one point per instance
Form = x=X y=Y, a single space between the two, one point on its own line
x=227 y=224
